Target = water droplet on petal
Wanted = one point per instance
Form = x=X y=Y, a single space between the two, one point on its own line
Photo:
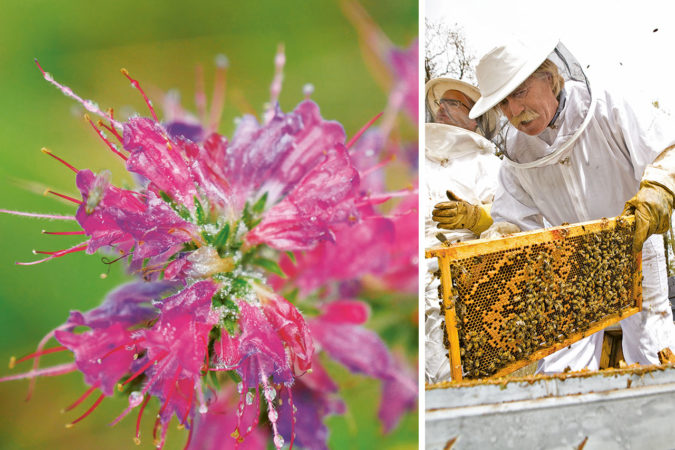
x=273 y=415
x=249 y=398
x=279 y=441
x=203 y=409
x=240 y=387
x=270 y=393
x=135 y=398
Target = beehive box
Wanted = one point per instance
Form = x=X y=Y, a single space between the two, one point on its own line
x=513 y=300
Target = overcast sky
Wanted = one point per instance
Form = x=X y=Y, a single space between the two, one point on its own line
x=616 y=38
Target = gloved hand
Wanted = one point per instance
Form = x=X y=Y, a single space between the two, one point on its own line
x=457 y=214
x=499 y=229
x=652 y=206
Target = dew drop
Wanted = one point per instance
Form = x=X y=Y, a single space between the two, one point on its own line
x=135 y=398
x=279 y=441
x=222 y=61
x=98 y=361
x=270 y=393
x=240 y=387
x=273 y=415
x=203 y=409
x=249 y=398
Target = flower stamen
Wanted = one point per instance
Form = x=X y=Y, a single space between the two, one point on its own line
x=218 y=99
x=46 y=151
x=110 y=145
x=89 y=411
x=137 y=438
x=63 y=233
x=362 y=130
x=36 y=354
x=63 y=196
x=142 y=369
x=81 y=399
x=135 y=84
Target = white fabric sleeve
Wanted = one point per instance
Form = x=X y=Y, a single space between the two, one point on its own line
x=647 y=136
x=662 y=170
x=513 y=204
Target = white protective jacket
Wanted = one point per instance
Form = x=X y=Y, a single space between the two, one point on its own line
x=585 y=167
x=463 y=162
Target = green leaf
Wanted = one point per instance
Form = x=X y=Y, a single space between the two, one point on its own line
x=291 y=255
x=213 y=375
x=166 y=198
x=260 y=204
x=221 y=237
x=269 y=265
x=200 y=214
x=246 y=216
x=208 y=237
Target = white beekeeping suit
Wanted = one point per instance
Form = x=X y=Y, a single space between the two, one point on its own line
x=585 y=165
x=463 y=162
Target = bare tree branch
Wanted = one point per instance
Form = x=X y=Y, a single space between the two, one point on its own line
x=446 y=52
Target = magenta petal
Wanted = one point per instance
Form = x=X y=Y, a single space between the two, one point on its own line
x=261 y=349
x=402 y=270
x=157 y=158
x=93 y=216
x=178 y=342
x=312 y=408
x=100 y=354
x=213 y=430
x=291 y=327
x=309 y=144
x=155 y=229
x=346 y=311
x=361 y=249
x=399 y=394
x=129 y=304
x=358 y=349
x=226 y=350
x=406 y=68
x=323 y=199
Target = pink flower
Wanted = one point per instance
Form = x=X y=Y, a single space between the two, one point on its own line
x=214 y=429
x=341 y=335
x=212 y=216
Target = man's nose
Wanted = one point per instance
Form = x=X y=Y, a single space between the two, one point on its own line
x=515 y=107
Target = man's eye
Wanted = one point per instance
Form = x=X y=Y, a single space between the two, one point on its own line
x=519 y=93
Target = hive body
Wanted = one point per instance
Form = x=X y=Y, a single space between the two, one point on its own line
x=516 y=299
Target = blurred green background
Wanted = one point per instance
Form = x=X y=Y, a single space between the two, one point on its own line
x=84 y=44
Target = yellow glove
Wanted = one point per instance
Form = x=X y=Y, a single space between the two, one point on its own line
x=652 y=206
x=457 y=214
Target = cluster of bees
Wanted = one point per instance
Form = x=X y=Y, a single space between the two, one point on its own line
x=535 y=297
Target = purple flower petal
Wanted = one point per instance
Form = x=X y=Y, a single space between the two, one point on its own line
x=324 y=198
x=291 y=327
x=358 y=250
x=157 y=158
x=100 y=354
x=260 y=348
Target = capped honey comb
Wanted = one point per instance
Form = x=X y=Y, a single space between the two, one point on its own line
x=513 y=300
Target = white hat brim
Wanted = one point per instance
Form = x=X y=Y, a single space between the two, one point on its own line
x=539 y=54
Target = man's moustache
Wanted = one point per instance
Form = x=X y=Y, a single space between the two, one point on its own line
x=524 y=116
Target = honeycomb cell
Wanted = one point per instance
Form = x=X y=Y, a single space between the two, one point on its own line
x=515 y=305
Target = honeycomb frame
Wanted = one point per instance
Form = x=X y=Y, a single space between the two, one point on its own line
x=518 y=298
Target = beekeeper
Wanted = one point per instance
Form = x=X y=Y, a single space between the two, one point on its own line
x=574 y=154
x=460 y=160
